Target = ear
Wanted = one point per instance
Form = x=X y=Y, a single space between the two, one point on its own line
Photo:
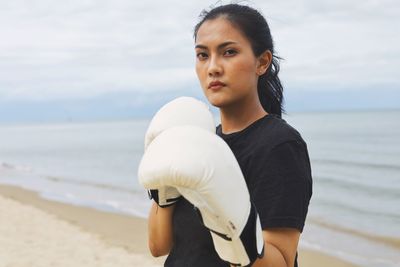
x=264 y=61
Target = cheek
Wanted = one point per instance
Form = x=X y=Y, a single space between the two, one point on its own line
x=200 y=74
x=245 y=68
x=245 y=72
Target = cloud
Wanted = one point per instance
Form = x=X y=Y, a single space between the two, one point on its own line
x=83 y=49
x=337 y=44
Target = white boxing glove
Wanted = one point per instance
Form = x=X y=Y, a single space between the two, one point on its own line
x=205 y=171
x=180 y=111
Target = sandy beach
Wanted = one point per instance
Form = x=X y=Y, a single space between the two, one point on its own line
x=38 y=232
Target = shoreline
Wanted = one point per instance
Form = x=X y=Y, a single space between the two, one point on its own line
x=123 y=231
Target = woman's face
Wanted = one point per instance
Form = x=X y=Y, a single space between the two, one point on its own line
x=224 y=55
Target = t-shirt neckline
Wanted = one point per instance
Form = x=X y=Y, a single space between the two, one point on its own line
x=250 y=126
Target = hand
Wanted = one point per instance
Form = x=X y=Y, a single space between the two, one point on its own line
x=181 y=111
x=200 y=165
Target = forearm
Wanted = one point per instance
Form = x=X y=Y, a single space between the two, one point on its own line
x=160 y=230
x=273 y=257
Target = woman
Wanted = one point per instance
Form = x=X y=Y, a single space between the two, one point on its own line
x=238 y=73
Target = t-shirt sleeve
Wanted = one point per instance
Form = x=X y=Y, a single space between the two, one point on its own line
x=280 y=185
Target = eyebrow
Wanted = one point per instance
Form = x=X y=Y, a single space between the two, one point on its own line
x=219 y=46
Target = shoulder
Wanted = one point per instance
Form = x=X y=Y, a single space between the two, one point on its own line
x=279 y=146
x=281 y=152
x=276 y=132
x=259 y=139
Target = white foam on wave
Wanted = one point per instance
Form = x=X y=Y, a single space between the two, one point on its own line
x=10 y=166
x=102 y=197
x=128 y=203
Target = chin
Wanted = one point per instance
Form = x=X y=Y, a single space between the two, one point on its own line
x=219 y=102
x=216 y=101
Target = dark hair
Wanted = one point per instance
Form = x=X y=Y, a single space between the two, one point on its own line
x=254 y=26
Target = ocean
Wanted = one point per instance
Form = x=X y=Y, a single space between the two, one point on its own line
x=354 y=213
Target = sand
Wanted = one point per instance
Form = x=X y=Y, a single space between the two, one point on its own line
x=38 y=232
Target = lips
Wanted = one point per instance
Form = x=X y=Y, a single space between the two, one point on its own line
x=215 y=85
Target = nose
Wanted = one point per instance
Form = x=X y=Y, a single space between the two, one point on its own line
x=215 y=67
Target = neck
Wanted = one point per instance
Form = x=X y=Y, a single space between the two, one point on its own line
x=238 y=116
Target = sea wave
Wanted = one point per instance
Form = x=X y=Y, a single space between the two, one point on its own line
x=387 y=240
x=349 y=163
x=372 y=188
x=15 y=167
x=110 y=187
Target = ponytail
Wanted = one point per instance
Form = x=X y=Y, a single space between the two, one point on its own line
x=270 y=89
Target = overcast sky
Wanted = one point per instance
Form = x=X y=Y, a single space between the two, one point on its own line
x=79 y=49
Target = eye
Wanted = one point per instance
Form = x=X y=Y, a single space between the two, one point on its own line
x=201 y=55
x=230 y=52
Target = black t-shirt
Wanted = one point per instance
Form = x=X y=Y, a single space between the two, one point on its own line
x=275 y=163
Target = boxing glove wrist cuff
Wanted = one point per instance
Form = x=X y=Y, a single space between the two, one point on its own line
x=163 y=203
x=251 y=239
